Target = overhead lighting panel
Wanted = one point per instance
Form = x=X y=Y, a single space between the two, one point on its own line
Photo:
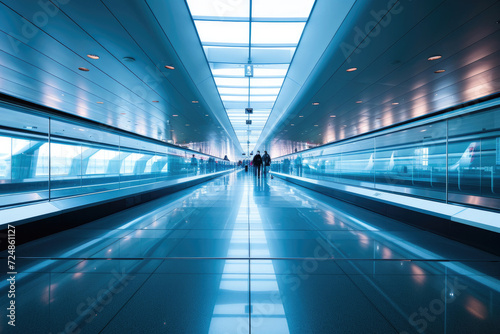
x=249 y=45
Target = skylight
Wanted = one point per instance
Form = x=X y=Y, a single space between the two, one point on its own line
x=249 y=55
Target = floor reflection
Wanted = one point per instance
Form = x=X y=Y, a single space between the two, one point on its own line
x=240 y=255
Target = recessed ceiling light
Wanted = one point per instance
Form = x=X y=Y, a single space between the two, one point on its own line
x=395 y=103
x=315 y=103
x=100 y=102
x=301 y=116
x=436 y=57
x=175 y=115
x=439 y=71
x=315 y=124
x=194 y=101
x=93 y=56
x=359 y=101
x=170 y=67
x=292 y=124
x=84 y=69
x=156 y=101
x=206 y=115
x=352 y=69
x=333 y=116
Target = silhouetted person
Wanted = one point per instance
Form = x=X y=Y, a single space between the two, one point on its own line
x=266 y=159
x=298 y=165
x=257 y=162
x=194 y=164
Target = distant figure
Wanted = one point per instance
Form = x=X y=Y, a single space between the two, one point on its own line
x=226 y=158
x=266 y=159
x=194 y=164
x=257 y=162
x=298 y=165
x=211 y=165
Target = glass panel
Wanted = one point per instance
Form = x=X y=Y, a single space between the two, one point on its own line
x=260 y=98
x=219 y=32
x=81 y=160
x=276 y=33
x=24 y=161
x=264 y=91
x=413 y=161
x=65 y=168
x=267 y=72
x=234 y=98
x=226 y=54
x=235 y=71
x=235 y=82
x=233 y=91
x=222 y=9
x=5 y=156
x=272 y=55
x=282 y=8
x=266 y=82
x=473 y=157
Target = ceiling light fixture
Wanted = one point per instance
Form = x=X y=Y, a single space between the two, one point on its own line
x=170 y=67
x=395 y=103
x=194 y=101
x=352 y=69
x=315 y=103
x=175 y=115
x=301 y=116
x=436 y=57
x=91 y=56
x=359 y=101
x=333 y=116
x=439 y=71
x=84 y=69
x=316 y=125
x=100 y=102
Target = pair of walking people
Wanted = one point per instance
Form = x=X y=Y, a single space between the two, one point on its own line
x=264 y=161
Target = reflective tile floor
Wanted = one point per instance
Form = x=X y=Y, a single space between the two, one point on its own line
x=241 y=255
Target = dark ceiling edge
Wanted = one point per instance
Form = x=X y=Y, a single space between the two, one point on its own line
x=37 y=109
x=416 y=119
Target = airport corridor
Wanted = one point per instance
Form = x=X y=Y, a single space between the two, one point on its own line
x=245 y=255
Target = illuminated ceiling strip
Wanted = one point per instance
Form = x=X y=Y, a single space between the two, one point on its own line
x=271 y=28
